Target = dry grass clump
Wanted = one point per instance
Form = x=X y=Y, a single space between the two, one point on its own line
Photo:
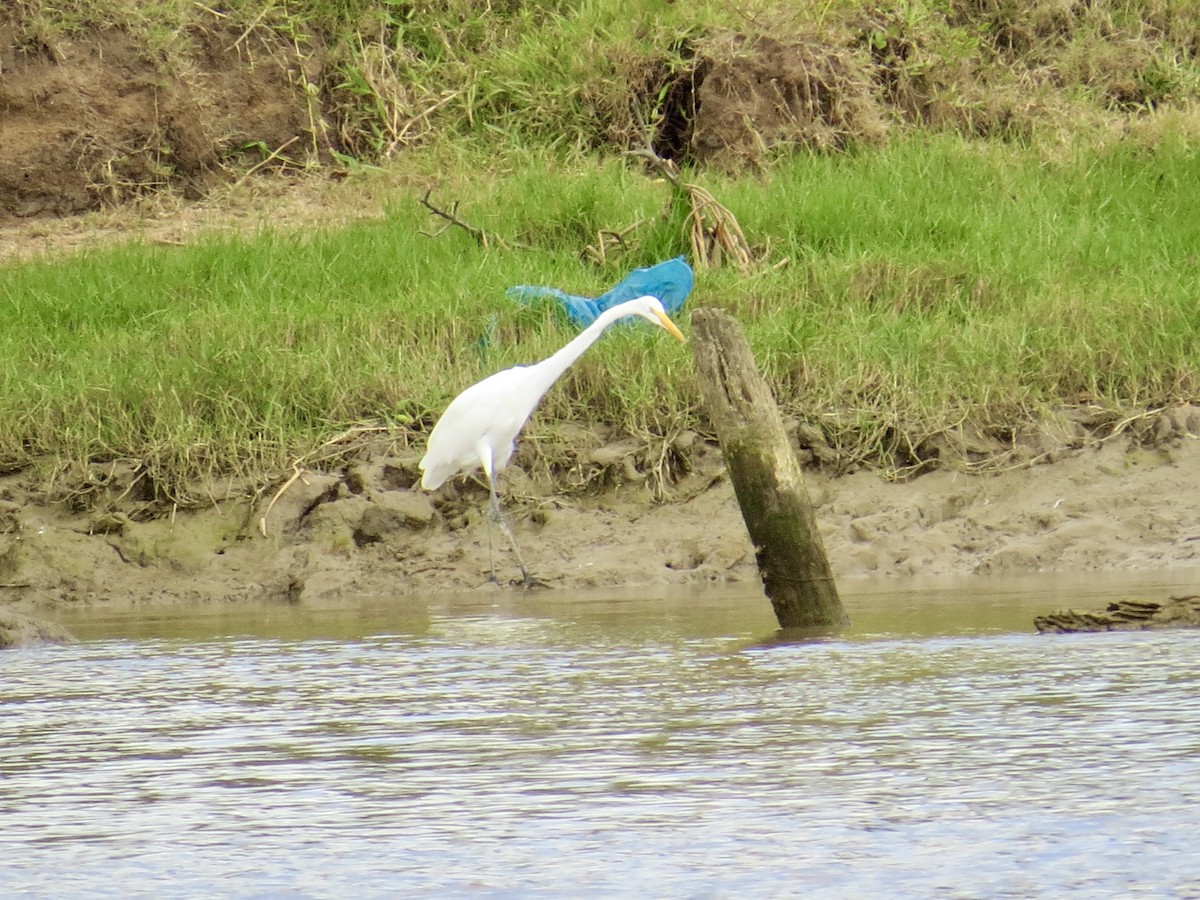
x=1073 y=64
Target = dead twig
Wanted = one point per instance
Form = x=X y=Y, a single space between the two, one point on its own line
x=453 y=221
x=1003 y=462
x=715 y=233
x=403 y=134
x=297 y=475
x=665 y=167
x=249 y=28
x=991 y=466
x=272 y=156
x=609 y=238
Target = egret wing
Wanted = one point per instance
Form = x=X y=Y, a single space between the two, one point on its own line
x=488 y=413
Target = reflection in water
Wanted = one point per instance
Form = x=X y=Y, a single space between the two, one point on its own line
x=574 y=745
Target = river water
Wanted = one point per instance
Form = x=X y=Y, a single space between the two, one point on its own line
x=613 y=744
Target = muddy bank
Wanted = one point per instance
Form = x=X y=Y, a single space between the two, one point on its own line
x=20 y=630
x=369 y=530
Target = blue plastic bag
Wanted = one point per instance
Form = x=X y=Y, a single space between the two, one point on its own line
x=669 y=281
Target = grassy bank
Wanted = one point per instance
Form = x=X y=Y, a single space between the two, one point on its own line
x=902 y=291
x=378 y=77
x=967 y=215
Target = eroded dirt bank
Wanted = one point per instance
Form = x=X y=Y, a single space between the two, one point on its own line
x=1115 y=505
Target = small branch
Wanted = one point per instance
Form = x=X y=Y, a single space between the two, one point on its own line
x=665 y=167
x=249 y=28
x=297 y=475
x=608 y=237
x=452 y=220
x=401 y=134
x=210 y=10
x=715 y=232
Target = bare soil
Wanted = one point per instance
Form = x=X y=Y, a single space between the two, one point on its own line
x=96 y=119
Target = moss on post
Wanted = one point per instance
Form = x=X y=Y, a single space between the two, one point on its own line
x=766 y=476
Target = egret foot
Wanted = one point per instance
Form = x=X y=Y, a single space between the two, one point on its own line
x=529 y=582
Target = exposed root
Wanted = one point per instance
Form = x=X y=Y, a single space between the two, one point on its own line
x=714 y=232
x=297 y=475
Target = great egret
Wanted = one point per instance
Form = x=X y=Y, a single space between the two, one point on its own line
x=480 y=426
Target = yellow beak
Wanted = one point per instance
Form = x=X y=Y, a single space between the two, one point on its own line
x=671 y=327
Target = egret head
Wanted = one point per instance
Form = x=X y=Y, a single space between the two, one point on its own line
x=651 y=309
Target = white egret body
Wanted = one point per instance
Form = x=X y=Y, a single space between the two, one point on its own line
x=480 y=426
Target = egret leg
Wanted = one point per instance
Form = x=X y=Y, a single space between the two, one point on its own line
x=496 y=514
x=491 y=550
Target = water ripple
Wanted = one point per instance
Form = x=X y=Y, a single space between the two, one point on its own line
x=527 y=757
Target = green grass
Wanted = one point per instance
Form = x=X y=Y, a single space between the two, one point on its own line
x=929 y=282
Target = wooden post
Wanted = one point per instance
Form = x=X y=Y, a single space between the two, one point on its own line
x=766 y=476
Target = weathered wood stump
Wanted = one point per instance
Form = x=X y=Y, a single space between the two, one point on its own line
x=1125 y=615
x=766 y=476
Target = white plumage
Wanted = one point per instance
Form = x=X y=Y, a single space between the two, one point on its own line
x=480 y=426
